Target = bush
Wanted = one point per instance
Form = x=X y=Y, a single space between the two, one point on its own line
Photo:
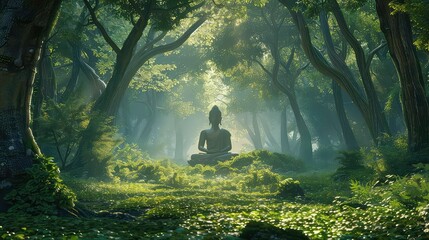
x=177 y=180
x=400 y=192
x=351 y=167
x=290 y=189
x=261 y=180
x=278 y=162
x=390 y=156
x=133 y=165
x=41 y=191
x=60 y=127
x=205 y=170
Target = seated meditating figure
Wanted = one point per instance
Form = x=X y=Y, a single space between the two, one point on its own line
x=218 y=142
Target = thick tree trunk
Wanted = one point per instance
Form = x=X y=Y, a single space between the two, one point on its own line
x=23 y=26
x=397 y=30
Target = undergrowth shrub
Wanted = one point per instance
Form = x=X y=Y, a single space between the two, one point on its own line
x=131 y=164
x=205 y=170
x=177 y=180
x=290 y=189
x=60 y=126
x=41 y=191
x=322 y=188
x=390 y=156
x=278 y=162
x=352 y=167
x=107 y=140
x=401 y=192
x=261 y=180
x=324 y=156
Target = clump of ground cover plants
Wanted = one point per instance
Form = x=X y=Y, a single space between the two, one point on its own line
x=157 y=199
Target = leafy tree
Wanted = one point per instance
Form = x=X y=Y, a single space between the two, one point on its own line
x=368 y=104
x=153 y=18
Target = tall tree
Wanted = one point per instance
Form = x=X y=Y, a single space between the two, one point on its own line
x=396 y=27
x=23 y=27
x=367 y=103
x=148 y=18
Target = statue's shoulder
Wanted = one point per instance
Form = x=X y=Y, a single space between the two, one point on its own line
x=205 y=131
x=225 y=132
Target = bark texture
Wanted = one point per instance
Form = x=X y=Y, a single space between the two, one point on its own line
x=397 y=30
x=23 y=26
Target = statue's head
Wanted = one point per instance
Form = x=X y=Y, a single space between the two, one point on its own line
x=215 y=116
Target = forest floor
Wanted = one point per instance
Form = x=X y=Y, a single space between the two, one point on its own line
x=155 y=211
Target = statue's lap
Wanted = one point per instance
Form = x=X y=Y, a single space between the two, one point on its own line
x=210 y=158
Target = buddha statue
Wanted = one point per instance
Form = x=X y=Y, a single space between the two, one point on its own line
x=215 y=143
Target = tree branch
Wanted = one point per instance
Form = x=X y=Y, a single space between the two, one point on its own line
x=372 y=53
x=264 y=68
x=145 y=54
x=100 y=27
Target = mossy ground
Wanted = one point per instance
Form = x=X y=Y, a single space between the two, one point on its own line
x=159 y=200
x=154 y=211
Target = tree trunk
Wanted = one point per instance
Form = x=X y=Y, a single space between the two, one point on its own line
x=376 y=113
x=46 y=86
x=347 y=132
x=397 y=30
x=23 y=26
x=254 y=135
x=284 y=137
x=272 y=142
x=144 y=136
x=306 y=148
x=97 y=84
x=125 y=68
x=257 y=140
x=74 y=77
x=320 y=63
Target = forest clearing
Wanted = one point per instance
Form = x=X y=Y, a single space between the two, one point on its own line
x=211 y=203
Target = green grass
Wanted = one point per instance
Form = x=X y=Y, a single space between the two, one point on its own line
x=156 y=211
